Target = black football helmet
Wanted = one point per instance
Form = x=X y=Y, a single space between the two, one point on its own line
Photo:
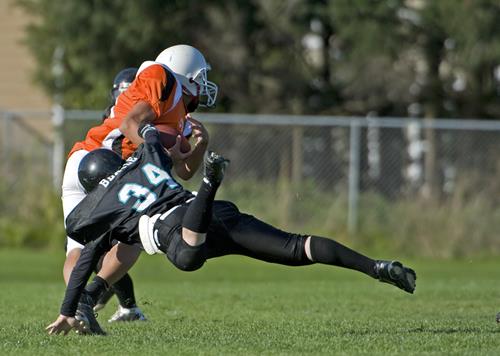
x=122 y=81
x=96 y=165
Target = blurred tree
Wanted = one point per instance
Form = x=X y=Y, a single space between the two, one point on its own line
x=417 y=58
x=420 y=58
x=472 y=61
x=100 y=37
x=387 y=57
x=256 y=47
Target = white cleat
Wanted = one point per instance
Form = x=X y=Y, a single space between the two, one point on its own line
x=126 y=314
x=149 y=236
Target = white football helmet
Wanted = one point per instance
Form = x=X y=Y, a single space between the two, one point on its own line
x=191 y=69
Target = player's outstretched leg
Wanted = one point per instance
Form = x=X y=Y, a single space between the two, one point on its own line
x=327 y=251
x=198 y=214
x=393 y=272
x=214 y=168
x=85 y=313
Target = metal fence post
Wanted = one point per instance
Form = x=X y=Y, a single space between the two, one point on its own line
x=58 y=148
x=297 y=155
x=7 y=119
x=7 y=132
x=354 y=159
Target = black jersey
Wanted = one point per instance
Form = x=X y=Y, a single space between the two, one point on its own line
x=143 y=185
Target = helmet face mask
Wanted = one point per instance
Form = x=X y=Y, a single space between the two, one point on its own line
x=207 y=90
x=190 y=68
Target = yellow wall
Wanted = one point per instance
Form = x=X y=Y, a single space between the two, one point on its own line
x=17 y=91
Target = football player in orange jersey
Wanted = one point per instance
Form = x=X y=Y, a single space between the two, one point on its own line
x=163 y=92
x=123 y=288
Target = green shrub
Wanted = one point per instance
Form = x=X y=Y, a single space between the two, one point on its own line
x=30 y=212
x=460 y=225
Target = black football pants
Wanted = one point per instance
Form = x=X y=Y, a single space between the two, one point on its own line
x=230 y=233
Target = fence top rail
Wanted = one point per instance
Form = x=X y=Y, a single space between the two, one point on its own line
x=347 y=121
x=12 y=114
x=292 y=120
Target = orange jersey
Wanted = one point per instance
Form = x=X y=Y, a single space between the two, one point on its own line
x=157 y=86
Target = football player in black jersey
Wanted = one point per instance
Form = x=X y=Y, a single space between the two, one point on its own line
x=142 y=203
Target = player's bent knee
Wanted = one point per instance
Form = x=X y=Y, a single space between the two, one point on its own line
x=297 y=253
x=187 y=258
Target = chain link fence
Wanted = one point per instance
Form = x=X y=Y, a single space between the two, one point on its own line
x=27 y=146
x=383 y=183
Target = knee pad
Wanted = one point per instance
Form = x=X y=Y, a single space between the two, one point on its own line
x=186 y=257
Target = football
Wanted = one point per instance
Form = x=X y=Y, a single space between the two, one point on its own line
x=168 y=136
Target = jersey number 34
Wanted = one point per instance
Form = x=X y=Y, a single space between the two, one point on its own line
x=143 y=195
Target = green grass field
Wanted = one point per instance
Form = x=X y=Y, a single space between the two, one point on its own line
x=238 y=306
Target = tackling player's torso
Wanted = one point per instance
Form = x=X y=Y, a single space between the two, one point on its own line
x=154 y=84
x=143 y=185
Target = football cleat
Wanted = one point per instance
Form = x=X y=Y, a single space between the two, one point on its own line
x=498 y=318
x=393 y=272
x=104 y=299
x=215 y=167
x=127 y=314
x=85 y=314
x=148 y=235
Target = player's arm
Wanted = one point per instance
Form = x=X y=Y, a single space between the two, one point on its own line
x=152 y=86
x=151 y=137
x=186 y=167
x=142 y=112
x=84 y=267
x=89 y=257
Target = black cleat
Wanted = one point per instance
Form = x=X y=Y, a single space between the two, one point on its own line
x=393 y=272
x=215 y=167
x=498 y=318
x=85 y=313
